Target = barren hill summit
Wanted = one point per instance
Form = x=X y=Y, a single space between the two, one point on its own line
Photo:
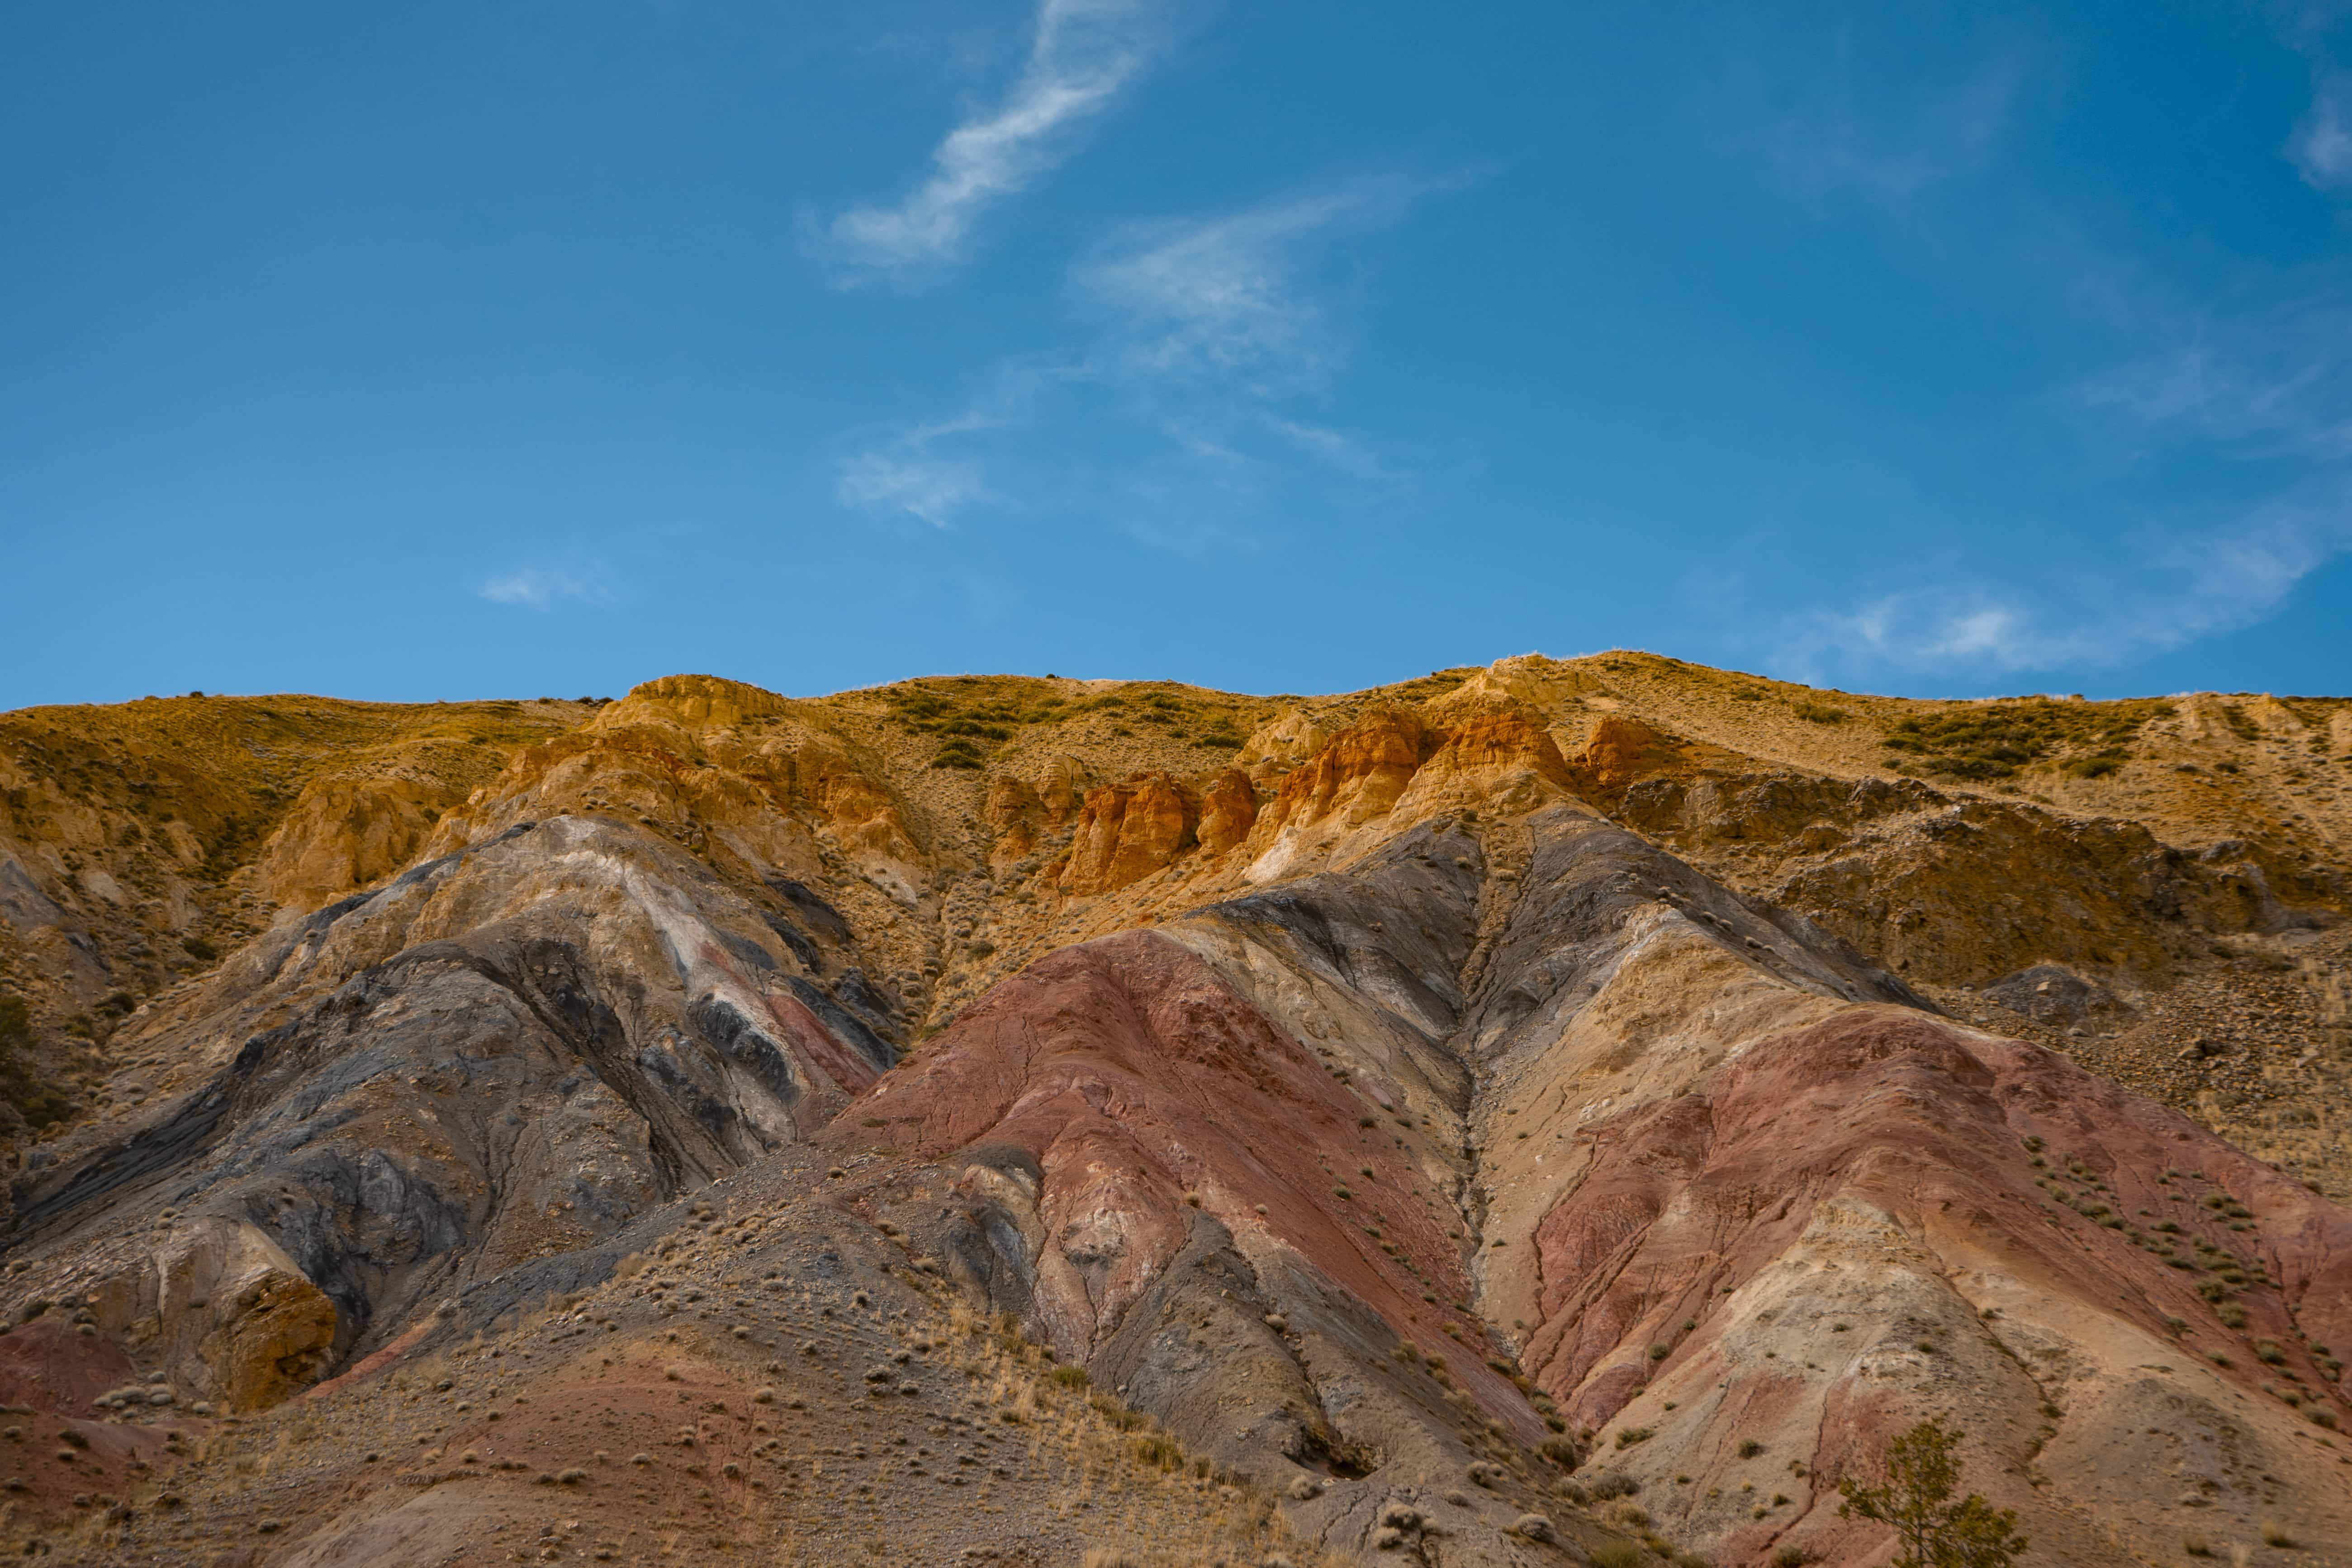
x=1561 y=1111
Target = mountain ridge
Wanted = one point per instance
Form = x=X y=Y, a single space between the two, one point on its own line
x=1419 y=940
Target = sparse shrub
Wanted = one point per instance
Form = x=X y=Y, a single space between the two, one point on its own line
x=1791 y=1557
x=1922 y=1472
x=1158 y=1451
x=1613 y=1484
x=2196 y=1545
x=2275 y=1534
x=1619 y=1554
x=1629 y=1436
x=1750 y=1449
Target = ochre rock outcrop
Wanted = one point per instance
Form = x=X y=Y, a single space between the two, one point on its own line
x=1619 y=750
x=1018 y=812
x=1126 y=831
x=1497 y=761
x=1228 y=810
x=1357 y=775
x=273 y=1331
x=345 y=832
x=1280 y=744
x=1013 y=815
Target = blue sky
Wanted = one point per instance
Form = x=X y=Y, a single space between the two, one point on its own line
x=437 y=350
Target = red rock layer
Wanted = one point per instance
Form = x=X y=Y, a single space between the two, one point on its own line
x=1140 y=1082
x=46 y=1365
x=1959 y=1141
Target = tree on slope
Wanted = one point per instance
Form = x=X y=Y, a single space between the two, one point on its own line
x=1923 y=1472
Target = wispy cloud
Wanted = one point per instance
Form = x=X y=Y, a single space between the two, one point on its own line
x=922 y=472
x=1233 y=297
x=2181 y=586
x=1341 y=451
x=1197 y=337
x=2269 y=379
x=549 y=585
x=1083 y=54
x=2321 y=146
x=910 y=480
x=1822 y=139
x=2213 y=481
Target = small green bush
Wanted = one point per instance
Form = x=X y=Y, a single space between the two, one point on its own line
x=1158 y=1451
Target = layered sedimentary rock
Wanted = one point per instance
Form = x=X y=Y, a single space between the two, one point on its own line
x=1431 y=1117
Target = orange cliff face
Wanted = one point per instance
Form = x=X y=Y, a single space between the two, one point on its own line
x=1129 y=830
x=1357 y=775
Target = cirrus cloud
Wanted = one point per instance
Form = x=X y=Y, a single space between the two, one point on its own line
x=547 y=586
x=1083 y=54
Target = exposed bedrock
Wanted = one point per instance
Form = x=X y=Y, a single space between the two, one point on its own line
x=1727 y=1201
x=508 y=1053
x=1464 y=1141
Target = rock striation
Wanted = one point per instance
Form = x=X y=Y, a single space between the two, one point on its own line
x=1556 y=1107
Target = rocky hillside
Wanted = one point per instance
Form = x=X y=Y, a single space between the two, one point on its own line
x=1196 y=1126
